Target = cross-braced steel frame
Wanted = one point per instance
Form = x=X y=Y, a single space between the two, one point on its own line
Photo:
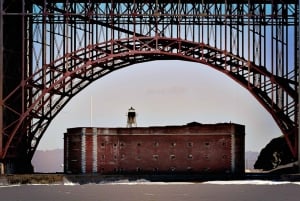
x=62 y=46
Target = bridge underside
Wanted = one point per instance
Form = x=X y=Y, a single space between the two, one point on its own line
x=51 y=50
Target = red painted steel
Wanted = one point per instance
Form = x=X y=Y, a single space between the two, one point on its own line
x=255 y=44
x=195 y=54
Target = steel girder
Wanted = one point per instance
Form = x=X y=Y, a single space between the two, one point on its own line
x=69 y=44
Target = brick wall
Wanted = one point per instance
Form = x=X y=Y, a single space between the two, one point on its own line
x=209 y=148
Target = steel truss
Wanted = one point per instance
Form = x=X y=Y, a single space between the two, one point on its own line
x=69 y=44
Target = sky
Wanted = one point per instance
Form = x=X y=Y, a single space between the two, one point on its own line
x=164 y=93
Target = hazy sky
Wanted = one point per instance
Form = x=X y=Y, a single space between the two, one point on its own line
x=164 y=93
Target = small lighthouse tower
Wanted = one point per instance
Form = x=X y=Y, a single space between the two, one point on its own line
x=131 y=118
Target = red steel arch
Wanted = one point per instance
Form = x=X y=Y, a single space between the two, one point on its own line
x=52 y=87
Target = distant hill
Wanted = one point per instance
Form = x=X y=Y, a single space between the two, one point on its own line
x=250 y=159
x=48 y=161
x=52 y=160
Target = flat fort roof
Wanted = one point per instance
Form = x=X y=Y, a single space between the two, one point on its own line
x=190 y=129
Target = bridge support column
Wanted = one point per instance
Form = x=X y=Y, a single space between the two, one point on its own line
x=298 y=134
x=298 y=137
x=298 y=109
x=17 y=166
x=1 y=77
x=12 y=72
